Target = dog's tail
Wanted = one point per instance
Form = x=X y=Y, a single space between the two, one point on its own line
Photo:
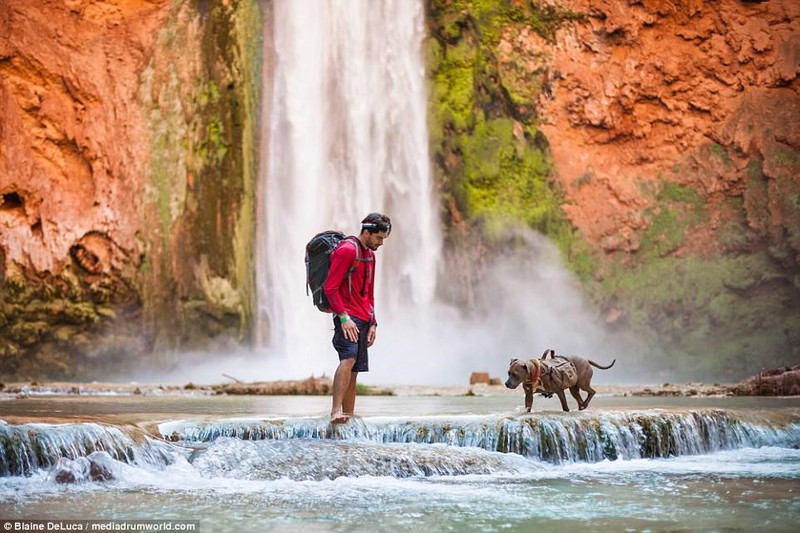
x=601 y=366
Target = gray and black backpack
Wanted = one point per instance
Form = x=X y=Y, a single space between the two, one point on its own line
x=318 y=261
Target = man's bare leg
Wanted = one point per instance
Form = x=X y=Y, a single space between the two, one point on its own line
x=349 y=401
x=341 y=385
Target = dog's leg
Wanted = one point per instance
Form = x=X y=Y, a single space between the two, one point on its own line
x=575 y=391
x=563 y=399
x=590 y=392
x=528 y=396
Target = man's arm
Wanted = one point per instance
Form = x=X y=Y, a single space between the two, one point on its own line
x=373 y=320
x=341 y=261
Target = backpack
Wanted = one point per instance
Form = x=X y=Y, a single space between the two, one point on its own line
x=318 y=261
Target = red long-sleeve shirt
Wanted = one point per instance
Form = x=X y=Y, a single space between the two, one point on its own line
x=347 y=297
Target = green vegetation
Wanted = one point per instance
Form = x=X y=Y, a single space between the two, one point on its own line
x=492 y=162
x=368 y=390
x=203 y=173
x=785 y=156
x=719 y=152
x=57 y=326
x=697 y=308
x=677 y=209
x=505 y=182
x=710 y=311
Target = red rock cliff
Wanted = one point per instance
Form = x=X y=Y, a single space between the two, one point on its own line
x=675 y=129
x=117 y=120
x=68 y=166
x=643 y=91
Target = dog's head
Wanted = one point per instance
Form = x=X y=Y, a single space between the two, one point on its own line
x=518 y=371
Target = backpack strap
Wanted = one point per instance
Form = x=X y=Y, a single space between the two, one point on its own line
x=358 y=259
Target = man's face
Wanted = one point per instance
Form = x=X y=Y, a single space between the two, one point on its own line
x=373 y=241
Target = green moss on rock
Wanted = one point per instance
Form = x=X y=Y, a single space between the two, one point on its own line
x=492 y=164
x=203 y=178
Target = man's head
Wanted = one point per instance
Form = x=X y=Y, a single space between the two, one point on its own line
x=374 y=229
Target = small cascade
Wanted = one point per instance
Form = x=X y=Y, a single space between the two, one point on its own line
x=26 y=448
x=312 y=449
x=315 y=460
x=554 y=438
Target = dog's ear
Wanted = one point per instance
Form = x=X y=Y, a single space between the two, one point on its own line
x=514 y=360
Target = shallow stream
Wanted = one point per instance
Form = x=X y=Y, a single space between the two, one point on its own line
x=407 y=463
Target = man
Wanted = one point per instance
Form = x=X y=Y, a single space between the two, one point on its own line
x=351 y=295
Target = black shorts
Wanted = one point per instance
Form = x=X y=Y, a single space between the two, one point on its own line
x=348 y=349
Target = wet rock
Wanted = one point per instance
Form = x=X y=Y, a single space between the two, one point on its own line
x=784 y=381
x=71 y=470
x=478 y=377
x=98 y=466
x=101 y=467
x=312 y=386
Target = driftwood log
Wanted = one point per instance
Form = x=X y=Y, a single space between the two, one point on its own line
x=784 y=381
x=308 y=387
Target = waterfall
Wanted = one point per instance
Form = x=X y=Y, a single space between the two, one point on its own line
x=347 y=135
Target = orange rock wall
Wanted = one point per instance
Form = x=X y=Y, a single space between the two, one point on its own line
x=73 y=155
x=127 y=181
x=639 y=91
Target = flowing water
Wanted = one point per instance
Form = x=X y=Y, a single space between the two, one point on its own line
x=407 y=464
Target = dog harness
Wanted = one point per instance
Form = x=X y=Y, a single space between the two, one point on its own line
x=536 y=381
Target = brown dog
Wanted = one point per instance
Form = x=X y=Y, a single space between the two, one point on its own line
x=553 y=377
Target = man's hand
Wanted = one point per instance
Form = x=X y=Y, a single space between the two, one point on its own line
x=371 y=334
x=350 y=330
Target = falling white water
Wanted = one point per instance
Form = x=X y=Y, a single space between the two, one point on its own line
x=347 y=136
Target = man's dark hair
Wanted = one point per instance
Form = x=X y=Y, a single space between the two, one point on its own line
x=376 y=223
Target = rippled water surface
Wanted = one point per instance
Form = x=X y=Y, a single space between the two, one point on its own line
x=409 y=463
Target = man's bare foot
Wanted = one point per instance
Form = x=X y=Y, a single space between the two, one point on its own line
x=339 y=418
